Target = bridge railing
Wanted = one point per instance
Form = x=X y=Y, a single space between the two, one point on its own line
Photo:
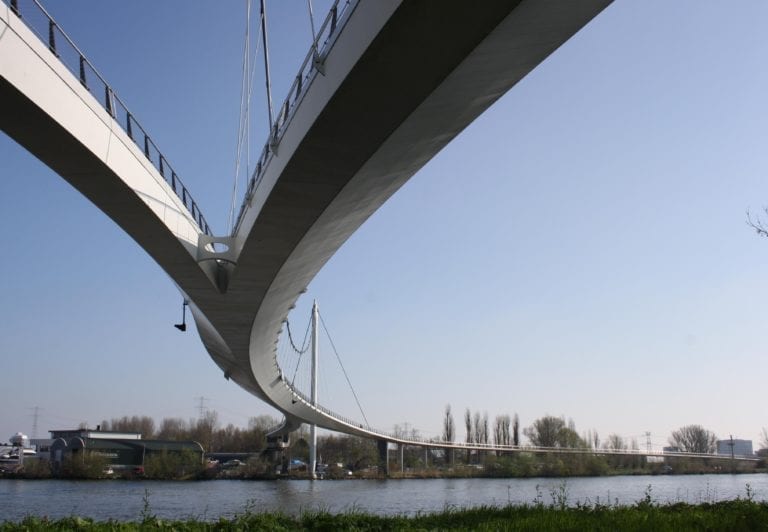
x=433 y=442
x=313 y=63
x=48 y=31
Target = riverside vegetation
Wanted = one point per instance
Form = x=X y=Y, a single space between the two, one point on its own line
x=646 y=514
x=358 y=457
x=181 y=466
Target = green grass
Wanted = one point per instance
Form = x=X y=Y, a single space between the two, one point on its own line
x=740 y=514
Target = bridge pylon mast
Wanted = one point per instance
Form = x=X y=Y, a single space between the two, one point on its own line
x=313 y=427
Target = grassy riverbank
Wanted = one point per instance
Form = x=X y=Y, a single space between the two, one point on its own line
x=740 y=514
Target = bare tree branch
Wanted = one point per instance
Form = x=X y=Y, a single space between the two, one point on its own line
x=756 y=223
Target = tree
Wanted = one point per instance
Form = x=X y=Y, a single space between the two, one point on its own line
x=694 y=439
x=468 y=428
x=352 y=452
x=477 y=431
x=173 y=428
x=591 y=439
x=550 y=431
x=516 y=431
x=202 y=430
x=614 y=442
x=144 y=425
x=764 y=438
x=760 y=227
x=448 y=429
x=501 y=434
x=468 y=425
x=544 y=431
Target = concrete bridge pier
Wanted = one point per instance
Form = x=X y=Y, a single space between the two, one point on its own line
x=383 y=447
x=276 y=451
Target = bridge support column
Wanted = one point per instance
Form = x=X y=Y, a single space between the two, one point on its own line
x=275 y=450
x=383 y=447
x=402 y=456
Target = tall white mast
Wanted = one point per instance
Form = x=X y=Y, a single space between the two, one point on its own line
x=313 y=427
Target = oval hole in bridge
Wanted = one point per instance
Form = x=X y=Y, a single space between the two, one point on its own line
x=216 y=247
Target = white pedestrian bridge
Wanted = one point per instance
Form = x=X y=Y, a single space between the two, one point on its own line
x=386 y=86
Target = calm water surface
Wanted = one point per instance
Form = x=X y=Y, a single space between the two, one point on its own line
x=124 y=500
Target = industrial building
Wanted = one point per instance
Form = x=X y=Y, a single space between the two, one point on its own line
x=733 y=447
x=121 y=450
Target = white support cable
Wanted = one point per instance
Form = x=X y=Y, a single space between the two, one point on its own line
x=243 y=106
x=312 y=24
x=246 y=76
x=244 y=126
x=328 y=334
x=303 y=350
x=265 y=40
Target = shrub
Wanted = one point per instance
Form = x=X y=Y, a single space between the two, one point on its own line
x=83 y=465
x=172 y=465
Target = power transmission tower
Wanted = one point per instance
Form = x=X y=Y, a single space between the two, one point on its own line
x=201 y=405
x=35 y=416
x=648 y=441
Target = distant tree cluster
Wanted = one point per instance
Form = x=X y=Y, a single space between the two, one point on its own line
x=353 y=452
x=204 y=430
x=551 y=431
x=614 y=442
x=449 y=430
x=694 y=439
x=505 y=431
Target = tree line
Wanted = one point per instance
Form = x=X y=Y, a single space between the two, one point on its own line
x=552 y=431
x=204 y=430
x=505 y=429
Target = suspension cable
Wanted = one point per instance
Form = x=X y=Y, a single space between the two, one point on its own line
x=243 y=91
x=266 y=61
x=304 y=347
x=244 y=124
x=328 y=334
x=312 y=25
x=293 y=345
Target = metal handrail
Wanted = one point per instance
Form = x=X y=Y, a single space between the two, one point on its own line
x=95 y=83
x=335 y=20
x=298 y=395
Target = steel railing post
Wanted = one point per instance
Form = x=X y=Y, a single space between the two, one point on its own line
x=108 y=101
x=52 y=36
x=82 y=72
x=111 y=104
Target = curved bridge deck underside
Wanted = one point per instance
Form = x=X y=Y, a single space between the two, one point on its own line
x=400 y=81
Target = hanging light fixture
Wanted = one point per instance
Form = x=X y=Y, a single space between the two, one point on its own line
x=183 y=325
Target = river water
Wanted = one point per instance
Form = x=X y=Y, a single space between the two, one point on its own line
x=125 y=500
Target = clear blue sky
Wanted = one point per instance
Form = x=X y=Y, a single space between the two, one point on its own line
x=579 y=250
